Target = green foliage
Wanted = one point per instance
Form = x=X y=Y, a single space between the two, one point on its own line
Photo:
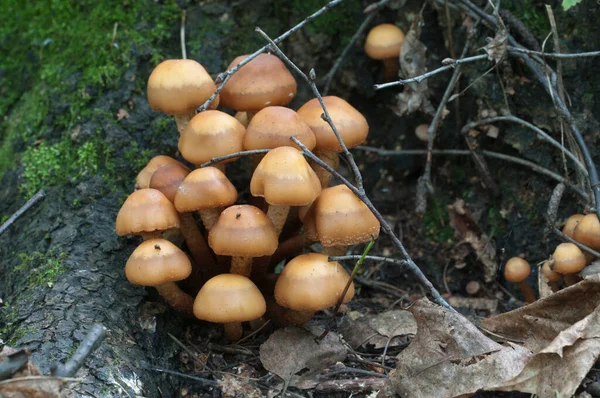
x=137 y=159
x=341 y=22
x=496 y=223
x=566 y=4
x=436 y=222
x=533 y=14
x=42 y=269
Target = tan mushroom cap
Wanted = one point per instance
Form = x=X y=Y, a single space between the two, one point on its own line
x=310 y=283
x=284 y=177
x=229 y=298
x=552 y=276
x=338 y=218
x=273 y=126
x=144 y=211
x=179 y=86
x=205 y=188
x=157 y=261
x=243 y=231
x=570 y=224
x=264 y=81
x=587 y=231
x=349 y=122
x=384 y=41
x=211 y=134
x=167 y=179
x=516 y=270
x=568 y=259
x=143 y=178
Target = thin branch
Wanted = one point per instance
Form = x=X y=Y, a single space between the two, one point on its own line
x=234 y=155
x=89 y=344
x=517 y=50
x=449 y=64
x=182 y=35
x=225 y=76
x=580 y=245
x=185 y=376
x=29 y=204
x=395 y=261
x=375 y=6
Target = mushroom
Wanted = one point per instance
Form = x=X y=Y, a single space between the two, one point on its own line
x=587 y=231
x=229 y=299
x=338 y=219
x=421 y=133
x=567 y=259
x=516 y=271
x=384 y=43
x=143 y=178
x=159 y=263
x=552 y=276
x=146 y=212
x=284 y=179
x=211 y=134
x=167 y=179
x=310 y=283
x=243 y=232
x=569 y=227
x=262 y=82
x=350 y=124
x=179 y=86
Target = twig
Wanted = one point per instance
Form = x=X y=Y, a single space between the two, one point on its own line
x=450 y=63
x=517 y=50
x=34 y=199
x=40 y=378
x=234 y=155
x=395 y=261
x=114 y=34
x=225 y=76
x=189 y=352
x=89 y=344
x=182 y=35
x=580 y=245
x=185 y=376
x=355 y=384
x=383 y=287
x=553 y=205
x=253 y=333
x=375 y=6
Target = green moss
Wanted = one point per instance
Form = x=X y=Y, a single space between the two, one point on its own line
x=340 y=22
x=41 y=269
x=496 y=223
x=533 y=14
x=436 y=222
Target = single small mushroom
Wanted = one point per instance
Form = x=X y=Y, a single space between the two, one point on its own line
x=167 y=179
x=229 y=299
x=516 y=271
x=587 y=231
x=179 y=86
x=243 y=232
x=159 y=263
x=422 y=134
x=567 y=259
x=384 y=43
x=552 y=276
x=569 y=227
x=309 y=283
x=143 y=178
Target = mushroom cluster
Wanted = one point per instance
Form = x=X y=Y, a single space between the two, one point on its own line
x=233 y=249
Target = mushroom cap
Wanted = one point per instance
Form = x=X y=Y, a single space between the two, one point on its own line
x=143 y=178
x=384 y=41
x=146 y=210
x=284 y=177
x=568 y=259
x=569 y=227
x=349 y=122
x=421 y=132
x=587 y=231
x=243 y=231
x=157 y=261
x=264 y=81
x=338 y=218
x=167 y=179
x=516 y=270
x=273 y=126
x=179 y=86
x=552 y=276
x=205 y=188
x=229 y=298
x=211 y=134
x=310 y=283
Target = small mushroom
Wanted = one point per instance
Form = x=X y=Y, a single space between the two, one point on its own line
x=567 y=259
x=570 y=224
x=587 y=231
x=384 y=43
x=552 y=276
x=143 y=178
x=516 y=271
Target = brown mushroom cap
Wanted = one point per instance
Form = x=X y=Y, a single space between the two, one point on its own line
x=205 y=188
x=587 y=231
x=273 y=126
x=167 y=179
x=568 y=259
x=516 y=270
x=284 y=177
x=243 y=231
x=179 y=86
x=552 y=276
x=211 y=134
x=143 y=178
x=229 y=298
x=570 y=224
x=421 y=132
x=349 y=122
x=310 y=283
x=338 y=218
x=144 y=211
x=264 y=81
x=384 y=41
x=157 y=261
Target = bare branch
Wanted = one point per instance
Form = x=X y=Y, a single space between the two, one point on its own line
x=29 y=204
x=516 y=50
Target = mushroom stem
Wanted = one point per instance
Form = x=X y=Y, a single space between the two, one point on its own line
x=221 y=166
x=293 y=317
x=553 y=286
x=197 y=245
x=527 y=291
x=177 y=298
x=241 y=266
x=335 y=250
x=571 y=279
x=390 y=69
x=182 y=120
x=233 y=331
x=332 y=159
x=278 y=215
x=290 y=248
x=209 y=217
x=151 y=235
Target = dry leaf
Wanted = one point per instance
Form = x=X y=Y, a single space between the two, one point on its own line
x=450 y=356
x=475 y=303
x=31 y=387
x=122 y=114
x=289 y=350
x=496 y=47
x=378 y=330
x=232 y=386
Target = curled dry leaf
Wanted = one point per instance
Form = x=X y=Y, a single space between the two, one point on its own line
x=23 y=379
x=496 y=47
x=379 y=330
x=449 y=357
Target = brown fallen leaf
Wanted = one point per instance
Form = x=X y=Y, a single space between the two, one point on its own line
x=496 y=47
x=475 y=303
x=232 y=386
x=449 y=357
x=26 y=380
x=378 y=330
